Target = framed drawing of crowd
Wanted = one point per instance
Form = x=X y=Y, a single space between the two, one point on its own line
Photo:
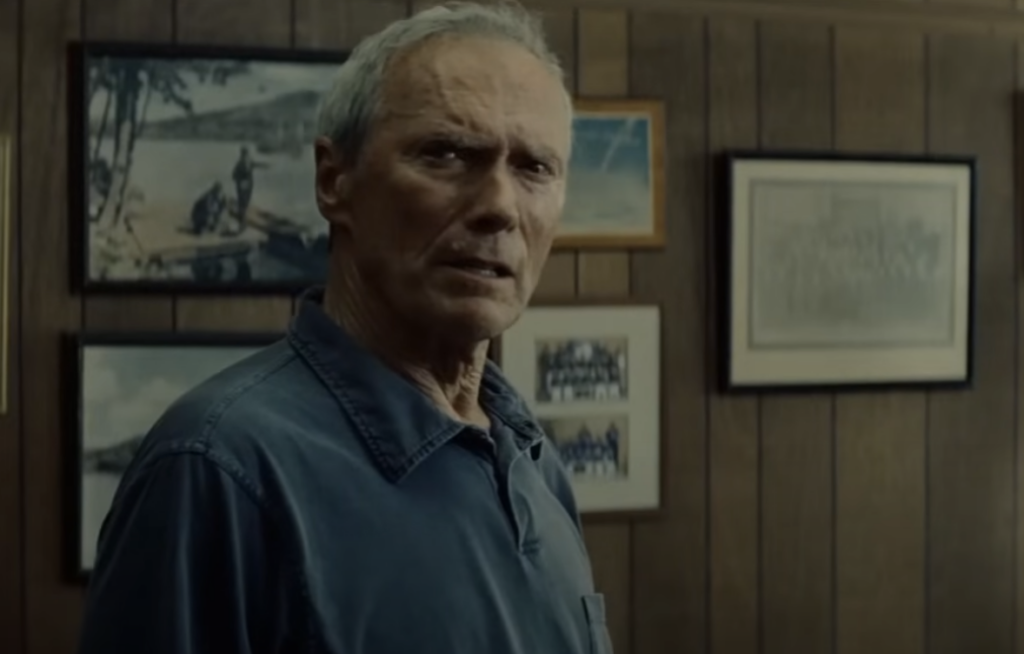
x=848 y=271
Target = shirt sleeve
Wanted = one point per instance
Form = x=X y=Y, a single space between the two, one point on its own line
x=187 y=564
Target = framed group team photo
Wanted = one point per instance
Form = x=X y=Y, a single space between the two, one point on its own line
x=592 y=376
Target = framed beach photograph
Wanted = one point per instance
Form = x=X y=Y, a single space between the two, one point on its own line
x=848 y=271
x=592 y=376
x=616 y=189
x=194 y=168
x=123 y=383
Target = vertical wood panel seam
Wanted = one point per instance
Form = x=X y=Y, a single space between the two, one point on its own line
x=710 y=319
x=293 y=38
x=1015 y=539
x=834 y=564
x=292 y=27
x=926 y=446
x=20 y=435
x=629 y=253
x=79 y=231
x=576 y=253
x=630 y=282
x=174 y=39
x=759 y=137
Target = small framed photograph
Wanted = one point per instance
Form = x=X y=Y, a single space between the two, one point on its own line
x=591 y=374
x=196 y=167
x=123 y=384
x=616 y=189
x=848 y=271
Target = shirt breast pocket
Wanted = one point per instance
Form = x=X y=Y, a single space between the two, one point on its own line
x=600 y=639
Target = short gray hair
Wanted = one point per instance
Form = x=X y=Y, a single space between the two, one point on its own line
x=348 y=109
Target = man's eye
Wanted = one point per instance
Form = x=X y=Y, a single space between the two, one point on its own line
x=539 y=168
x=441 y=151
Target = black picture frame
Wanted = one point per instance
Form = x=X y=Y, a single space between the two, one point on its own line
x=864 y=172
x=159 y=213
x=89 y=492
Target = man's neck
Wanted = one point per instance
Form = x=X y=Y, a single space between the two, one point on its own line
x=449 y=377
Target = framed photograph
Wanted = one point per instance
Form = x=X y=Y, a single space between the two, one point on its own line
x=616 y=190
x=196 y=168
x=848 y=270
x=123 y=384
x=592 y=376
x=6 y=207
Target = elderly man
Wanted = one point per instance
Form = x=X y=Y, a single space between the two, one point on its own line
x=371 y=484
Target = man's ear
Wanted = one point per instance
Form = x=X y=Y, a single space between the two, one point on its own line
x=333 y=182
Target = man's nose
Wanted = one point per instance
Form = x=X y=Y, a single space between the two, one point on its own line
x=497 y=206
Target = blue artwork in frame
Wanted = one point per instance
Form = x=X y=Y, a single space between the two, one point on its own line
x=615 y=194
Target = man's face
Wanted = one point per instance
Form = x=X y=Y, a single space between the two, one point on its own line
x=450 y=213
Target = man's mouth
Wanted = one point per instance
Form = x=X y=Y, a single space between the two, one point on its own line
x=481 y=267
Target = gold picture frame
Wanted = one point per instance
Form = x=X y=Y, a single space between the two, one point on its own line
x=6 y=175
x=616 y=184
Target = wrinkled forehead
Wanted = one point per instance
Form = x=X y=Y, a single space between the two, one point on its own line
x=483 y=85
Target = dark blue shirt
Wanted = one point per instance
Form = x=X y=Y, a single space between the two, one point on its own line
x=311 y=500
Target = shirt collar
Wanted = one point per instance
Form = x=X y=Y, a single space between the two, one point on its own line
x=399 y=425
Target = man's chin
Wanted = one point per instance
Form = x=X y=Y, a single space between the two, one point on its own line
x=476 y=320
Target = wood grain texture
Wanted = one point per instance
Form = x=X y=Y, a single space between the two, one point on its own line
x=669 y=554
x=880 y=437
x=602 y=68
x=608 y=545
x=603 y=53
x=11 y=546
x=796 y=524
x=558 y=281
x=560 y=26
x=266 y=23
x=983 y=4
x=52 y=608
x=342 y=24
x=1018 y=117
x=971 y=435
x=604 y=275
x=940 y=16
x=149 y=21
x=797 y=431
x=262 y=23
x=733 y=426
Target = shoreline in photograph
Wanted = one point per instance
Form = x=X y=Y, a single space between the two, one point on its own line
x=208 y=184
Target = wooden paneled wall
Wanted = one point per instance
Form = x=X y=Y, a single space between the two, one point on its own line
x=867 y=523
